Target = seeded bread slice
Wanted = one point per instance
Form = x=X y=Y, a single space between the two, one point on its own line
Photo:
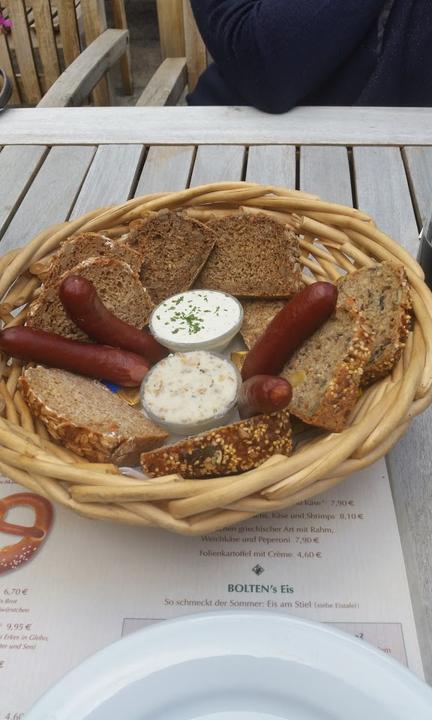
x=80 y=247
x=87 y=417
x=174 y=248
x=257 y=314
x=254 y=256
x=326 y=371
x=224 y=451
x=382 y=295
x=117 y=285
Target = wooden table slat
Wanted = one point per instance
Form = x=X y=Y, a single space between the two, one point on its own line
x=18 y=166
x=51 y=196
x=214 y=163
x=383 y=192
x=272 y=165
x=217 y=125
x=110 y=179
x=419 y=166
x=166 y=169
x=325 y=172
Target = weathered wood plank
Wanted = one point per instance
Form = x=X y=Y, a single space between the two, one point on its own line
x=165 y=169
x=78 y=80
x=166 y=85
x=120 y=22
x=383 y=192
x=196 y=53
x=24 y=51
x=110 y=178
x=325 y=171
x=217 y=163
x=18 y=166
x=218 y=125
x=50 y=196
x=46 y=41
x=95 y=23
x=6 y=64
x=419 y=165
x=171 y=29
x=68 y=30
x=272 y=164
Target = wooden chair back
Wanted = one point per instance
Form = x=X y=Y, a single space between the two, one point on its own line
x=180 y=37
x=46 y=36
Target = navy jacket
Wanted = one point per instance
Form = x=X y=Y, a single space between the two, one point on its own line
x=274 y=54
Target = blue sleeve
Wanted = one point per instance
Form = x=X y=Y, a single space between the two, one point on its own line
x=275 y=52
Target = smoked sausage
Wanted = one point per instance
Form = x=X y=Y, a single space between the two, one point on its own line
x=97 y=361
x=85 y=308
x=297 y=321
x=263 y=394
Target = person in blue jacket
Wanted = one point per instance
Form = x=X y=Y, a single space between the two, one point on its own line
x=275 y=54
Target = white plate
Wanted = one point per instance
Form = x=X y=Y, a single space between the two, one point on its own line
x=237 y=666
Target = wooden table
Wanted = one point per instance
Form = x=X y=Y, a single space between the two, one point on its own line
x=58 y=163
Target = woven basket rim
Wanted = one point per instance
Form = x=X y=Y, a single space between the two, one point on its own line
x=335 y=239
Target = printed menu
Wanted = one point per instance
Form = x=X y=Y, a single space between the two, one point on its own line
x=335 y=558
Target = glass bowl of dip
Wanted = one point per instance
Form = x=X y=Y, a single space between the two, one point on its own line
x=186 y=393
x=197 y=320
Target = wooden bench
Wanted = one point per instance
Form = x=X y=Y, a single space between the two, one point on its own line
x=59 y=52
x=183 y=51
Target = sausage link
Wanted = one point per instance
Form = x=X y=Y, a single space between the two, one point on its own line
x=263 y=394
x=297 y=321
x=97 y=361
x=85 y=308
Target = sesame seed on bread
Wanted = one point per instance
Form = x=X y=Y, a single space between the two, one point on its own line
x=226 y=450
x=174 y=248
x=326 y=371
x=382 y=295
x=80 y=247
x=87 y=417
x=254 y=257
x=117 y=285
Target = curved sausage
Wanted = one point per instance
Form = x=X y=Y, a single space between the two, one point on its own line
x=85 y=308
x=263 y=394
x=297 y=321
x=97 y=361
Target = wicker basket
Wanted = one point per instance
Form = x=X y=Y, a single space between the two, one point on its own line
x=335 y=239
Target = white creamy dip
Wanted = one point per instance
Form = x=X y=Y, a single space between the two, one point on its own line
x=197 y=319
x=189 y=392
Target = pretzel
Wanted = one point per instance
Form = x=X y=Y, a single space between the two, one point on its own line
x=12 y=556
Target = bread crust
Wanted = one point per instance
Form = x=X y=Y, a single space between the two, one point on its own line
x=343 y=390
x=227 y=450
x=96 y=446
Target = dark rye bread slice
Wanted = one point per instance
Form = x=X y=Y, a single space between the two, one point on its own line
x=256 y=316
x=254 y=256
x=174 y=248
x=87 y=417
x=226 y=450
x=80 y=247
x=117 y=285
x=326 y=371
x=382 y=294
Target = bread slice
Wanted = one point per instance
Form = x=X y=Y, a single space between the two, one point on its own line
x=226 y=450
x=87 y=417
x=254 y=256
x=382 y=294
x=256 y=316
x=174 y=248
x=80 y=247
x=326 y=371
x=117 y=285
